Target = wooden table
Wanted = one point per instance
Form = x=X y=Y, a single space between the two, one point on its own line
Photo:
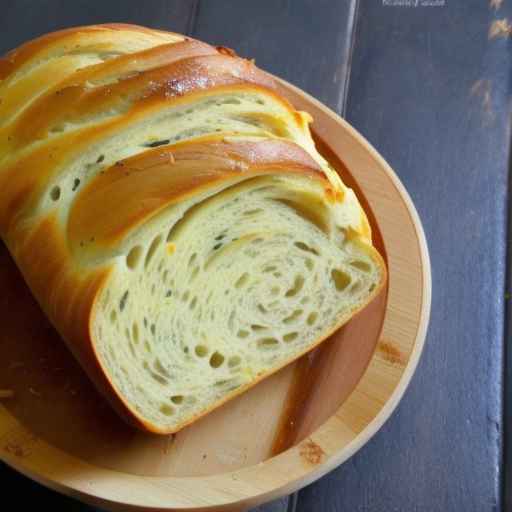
x=430 y=87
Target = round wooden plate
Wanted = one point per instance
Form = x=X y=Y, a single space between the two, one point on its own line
x=280 y=436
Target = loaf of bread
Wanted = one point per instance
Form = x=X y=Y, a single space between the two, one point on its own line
x=170 y=213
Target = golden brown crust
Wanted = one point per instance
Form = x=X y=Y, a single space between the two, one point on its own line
x=140 y=187
x=190 y=72
x=108 y=71
x=34 y=169
x=66 y=38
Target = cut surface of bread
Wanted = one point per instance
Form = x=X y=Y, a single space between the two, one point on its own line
x=172 y=216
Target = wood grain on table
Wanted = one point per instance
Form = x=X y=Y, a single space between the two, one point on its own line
x=431 y=91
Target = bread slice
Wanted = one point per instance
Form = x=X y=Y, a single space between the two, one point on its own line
x=173 y=218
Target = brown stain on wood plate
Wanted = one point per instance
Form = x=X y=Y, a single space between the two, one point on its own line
x=391 y=353
x=311 y=452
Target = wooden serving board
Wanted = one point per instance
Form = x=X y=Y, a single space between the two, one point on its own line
x=283 y=434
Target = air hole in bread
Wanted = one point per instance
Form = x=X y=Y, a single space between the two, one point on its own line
x=194 y=274
x=147 y=346
x=262 y=308
x=177 y=399
x=266 y=270
x=242 y=333
x=312 y=318
x=122 y=302
x=152 y=249
x=309 y=263
x=305 y=247
x=275 y=291
x=234 y=361
x=193 y=303
x=341 y=279
x=153 y=329
x=159 y=367
x=297 y=287
x=290 y=336
x=361 y=265
x=186 y=296
x=216 y=360
x=132 y=349
x=133 y=258
x=135 y=333
x=242 y=280
x=55 y=193
x=113 y=316
x=257 y=327
x=232 y=101
x=267 y=343
x=165 y=276
x=201 y=350
x=277 y=274
x=76 y=184
x=167 y=410
x=355 y=287
x=294 y=316
x=252 y=212
x=192 y=259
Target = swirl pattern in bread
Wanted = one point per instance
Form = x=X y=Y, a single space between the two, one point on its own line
x=169 y=211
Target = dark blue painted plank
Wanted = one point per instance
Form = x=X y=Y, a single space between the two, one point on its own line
x=25 y=19
x=306 y=42
x=432 y=93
